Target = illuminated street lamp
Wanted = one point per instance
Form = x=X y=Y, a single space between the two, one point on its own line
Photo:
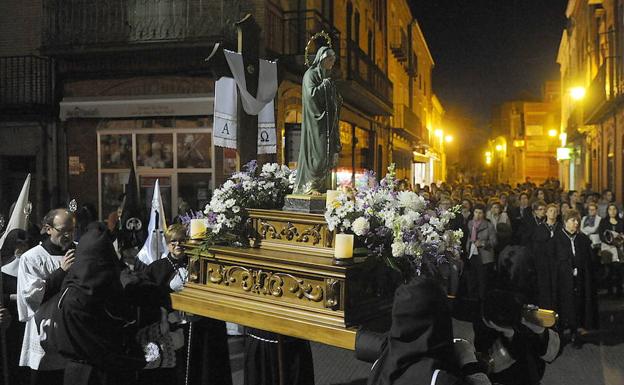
x=552 y=132
x=439 y=133
x=577 y=93
x=448 y=138
x=499 y=147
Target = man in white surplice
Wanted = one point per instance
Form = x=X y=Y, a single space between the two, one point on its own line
x=40 y=275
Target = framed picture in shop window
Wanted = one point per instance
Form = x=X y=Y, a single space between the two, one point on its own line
x=116 y=151
x=194 y=150
x=155 y=150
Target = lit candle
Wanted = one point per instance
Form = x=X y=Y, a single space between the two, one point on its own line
x=344 y=246
x=198 y=228
x=331 y=196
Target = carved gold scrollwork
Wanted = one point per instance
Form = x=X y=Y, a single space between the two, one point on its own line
x=332 y=300
x=194 y=269
x=289 y=231
x=267 y=229
x=246 y=277
x=216 y=275
x=314 y=232
x=265 y=282
x=302 y=289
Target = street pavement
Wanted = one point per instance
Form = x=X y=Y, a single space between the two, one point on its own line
x=599 y=362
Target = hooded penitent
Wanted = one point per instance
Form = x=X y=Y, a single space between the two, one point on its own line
x=89 y=323
x=420 y=339
x=321 y=109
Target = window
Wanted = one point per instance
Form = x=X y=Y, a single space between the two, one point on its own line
x=177 y=152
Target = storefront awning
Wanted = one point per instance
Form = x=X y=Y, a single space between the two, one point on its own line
x=134 y=107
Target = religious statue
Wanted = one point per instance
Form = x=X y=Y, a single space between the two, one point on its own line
x=320 y=137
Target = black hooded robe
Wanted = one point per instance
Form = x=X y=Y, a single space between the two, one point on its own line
x=420 y=340
x=89 y=314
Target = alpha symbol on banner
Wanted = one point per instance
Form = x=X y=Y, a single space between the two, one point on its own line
x=134 y=224
x=225 y=130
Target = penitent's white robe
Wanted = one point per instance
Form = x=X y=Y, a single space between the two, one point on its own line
x=34 y=267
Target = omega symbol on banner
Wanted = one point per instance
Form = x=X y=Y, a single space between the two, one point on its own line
x=264 y=136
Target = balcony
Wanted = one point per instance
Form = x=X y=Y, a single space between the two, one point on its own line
x=288 y=32
x=72 y=26
x=602 y=92
x=26 y=86
x=407 y=124
x=365 y=85
x=399 y=43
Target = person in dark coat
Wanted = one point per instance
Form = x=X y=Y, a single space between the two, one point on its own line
x=91 y=318
x=518 y=214
x=15 y=244
x=531 y=222
x=612 y=223
x=209 y=361
x=541 y=261
x=481 y=241
x=419 y=347
x=575 y=297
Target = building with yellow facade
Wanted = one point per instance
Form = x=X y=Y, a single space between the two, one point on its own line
x=120 y=79
x=525 y=137
x=592 y=86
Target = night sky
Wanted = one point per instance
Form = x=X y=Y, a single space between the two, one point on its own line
x=490 y=51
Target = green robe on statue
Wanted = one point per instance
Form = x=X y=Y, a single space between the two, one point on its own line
x=321 y=111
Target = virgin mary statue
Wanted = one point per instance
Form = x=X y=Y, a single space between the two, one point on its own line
x=320 y=138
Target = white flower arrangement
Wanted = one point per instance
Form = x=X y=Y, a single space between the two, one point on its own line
x=251 y=188
x=396 y=226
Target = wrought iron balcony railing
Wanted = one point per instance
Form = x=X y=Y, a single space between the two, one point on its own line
x=362 y=69
x=26 y=84
x=89 y=24
x=602 y=91
x=288 y=32
x=403 y=117
x=399 y=44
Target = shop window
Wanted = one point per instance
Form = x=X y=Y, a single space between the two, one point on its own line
x=177 y=152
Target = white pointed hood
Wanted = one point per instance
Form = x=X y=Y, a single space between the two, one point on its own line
x=155 y=246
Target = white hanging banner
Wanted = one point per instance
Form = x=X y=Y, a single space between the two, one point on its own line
x=267 y=137
x=225 y=121
x=267 y=82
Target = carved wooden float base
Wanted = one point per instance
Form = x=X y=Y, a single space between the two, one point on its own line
x=289 y=283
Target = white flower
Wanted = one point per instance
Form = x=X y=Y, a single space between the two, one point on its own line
x=411 y=200
x=235 y=209
x=346 y=224
x=332 y=221
x=398 y=249
x=230 y=203
x=270 y=168
x=360 y=226
x=229 y=184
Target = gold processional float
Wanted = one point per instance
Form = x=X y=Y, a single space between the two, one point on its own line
x=289 y=281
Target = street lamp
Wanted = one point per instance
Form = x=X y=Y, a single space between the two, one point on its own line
x=577 y=93
x=552 y=132
x=448 y=138
x=499 y=147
